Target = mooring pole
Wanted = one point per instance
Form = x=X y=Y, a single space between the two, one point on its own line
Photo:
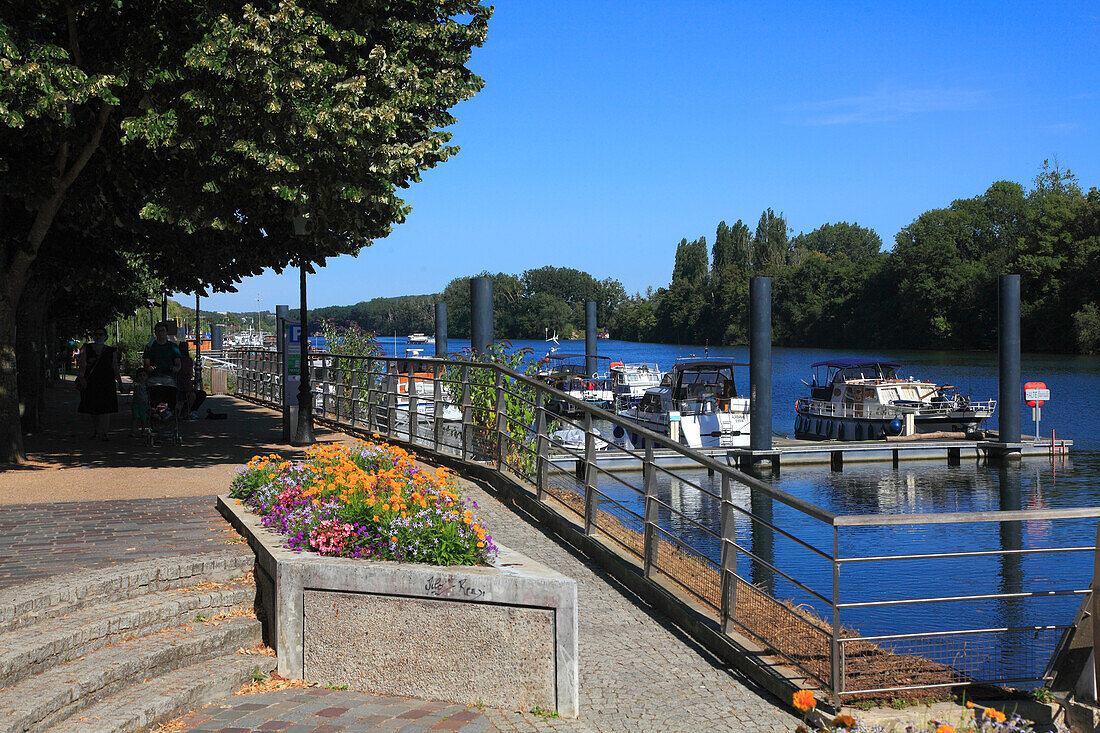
x=440 y=329
x=1008 y=338
x=282 y=315
x=760 y=363
x=481 y=314
x=590 y=335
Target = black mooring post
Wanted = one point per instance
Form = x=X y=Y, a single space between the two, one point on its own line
x=590 y=335
x=760 y=363
x=440 y=329
x=303 y=434
x=1008 y=339
x=481 y=313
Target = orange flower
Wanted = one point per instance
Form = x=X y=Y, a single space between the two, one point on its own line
x=804 y=700
x=970 y=704
x=945 y=728
x=995 y=714
x=845 y=721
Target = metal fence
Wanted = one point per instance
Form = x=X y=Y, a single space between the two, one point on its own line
x=492 y=415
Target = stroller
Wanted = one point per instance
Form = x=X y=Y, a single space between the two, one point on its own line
x=164 y=422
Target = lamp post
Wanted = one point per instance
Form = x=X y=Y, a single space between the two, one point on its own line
x=303 y=435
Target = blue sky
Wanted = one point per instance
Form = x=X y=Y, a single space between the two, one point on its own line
x=607 y=131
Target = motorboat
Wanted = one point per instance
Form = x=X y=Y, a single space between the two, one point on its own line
x=867 y=399
x=419 y=338
x=629 y=382
x=696 y=405
x=568 y=373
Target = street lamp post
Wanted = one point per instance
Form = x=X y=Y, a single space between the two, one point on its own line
x=303 y=435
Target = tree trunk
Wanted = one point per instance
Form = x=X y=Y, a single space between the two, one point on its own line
x=30 y=362
x=11 y=437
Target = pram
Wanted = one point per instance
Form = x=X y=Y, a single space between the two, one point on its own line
x=164 y=421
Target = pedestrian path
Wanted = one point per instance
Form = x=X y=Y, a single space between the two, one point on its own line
x=638 y=672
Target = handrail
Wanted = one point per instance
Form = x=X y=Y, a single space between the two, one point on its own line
x=363 y=393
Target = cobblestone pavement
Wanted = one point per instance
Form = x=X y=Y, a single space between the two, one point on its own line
x=321 y=710
x=39 y=540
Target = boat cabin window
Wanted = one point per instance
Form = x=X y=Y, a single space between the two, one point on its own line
x=864 y=371
x=704 y=383
x=650 y=403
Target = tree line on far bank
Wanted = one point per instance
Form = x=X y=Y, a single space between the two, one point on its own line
x=831 y=287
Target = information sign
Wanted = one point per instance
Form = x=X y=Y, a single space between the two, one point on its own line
x=292 y=344
x=1036 y=393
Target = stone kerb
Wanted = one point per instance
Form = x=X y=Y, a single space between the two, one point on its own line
x=503 y=636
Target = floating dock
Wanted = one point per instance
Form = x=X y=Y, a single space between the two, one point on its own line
x=790 y=451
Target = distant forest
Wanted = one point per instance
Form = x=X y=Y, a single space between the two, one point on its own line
x=831 y=287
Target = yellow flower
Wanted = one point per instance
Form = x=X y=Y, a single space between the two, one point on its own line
x=804 y=700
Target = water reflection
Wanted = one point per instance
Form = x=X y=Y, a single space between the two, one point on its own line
x=763 y=541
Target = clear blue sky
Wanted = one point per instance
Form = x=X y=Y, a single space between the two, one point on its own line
x=608 y=131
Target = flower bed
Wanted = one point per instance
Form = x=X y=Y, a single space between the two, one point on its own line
x=368 y=501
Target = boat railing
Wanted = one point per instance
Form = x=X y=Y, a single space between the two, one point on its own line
x=739 y=562
x=879 y=411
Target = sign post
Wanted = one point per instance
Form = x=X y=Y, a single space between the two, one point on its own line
x=292 y=375
x=1036 y=393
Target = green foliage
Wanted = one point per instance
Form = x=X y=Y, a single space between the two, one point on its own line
x=543 y=712
x=1086 y=325
x=519 y=403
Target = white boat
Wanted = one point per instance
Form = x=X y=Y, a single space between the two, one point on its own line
x=696 y=405
x=866 y=399
x=629 y=382
x=419 y=338
x=568 y=373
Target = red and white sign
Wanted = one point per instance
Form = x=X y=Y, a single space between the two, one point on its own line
x=1036 y=393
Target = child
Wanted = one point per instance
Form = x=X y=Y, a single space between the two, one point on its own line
x=139 y=408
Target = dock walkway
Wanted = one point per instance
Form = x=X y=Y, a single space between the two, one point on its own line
x=90 y=506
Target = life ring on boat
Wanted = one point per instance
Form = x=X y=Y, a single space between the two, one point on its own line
x=615 y=364
x=591 y=386
x=798 y=404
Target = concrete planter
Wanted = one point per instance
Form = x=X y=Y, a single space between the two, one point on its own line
x=504 y=636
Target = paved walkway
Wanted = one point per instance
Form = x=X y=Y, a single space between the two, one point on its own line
x=638 y=672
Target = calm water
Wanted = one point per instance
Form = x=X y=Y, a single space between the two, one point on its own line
x=924 y=486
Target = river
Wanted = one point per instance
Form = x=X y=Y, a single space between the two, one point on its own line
x=915 y=487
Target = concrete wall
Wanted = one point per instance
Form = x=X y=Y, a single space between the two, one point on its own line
x=504 y=636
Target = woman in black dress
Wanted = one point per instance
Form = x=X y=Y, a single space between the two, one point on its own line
x=97 y=376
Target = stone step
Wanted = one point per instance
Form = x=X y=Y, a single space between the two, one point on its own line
x=61 y=594
x=32 y=649
x=45 y=699
x=167 y=697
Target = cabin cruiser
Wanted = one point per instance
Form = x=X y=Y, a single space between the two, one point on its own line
x=419 y=338
x=629 y=382
x=568 y=373
x=696 y=405
x=866 y=399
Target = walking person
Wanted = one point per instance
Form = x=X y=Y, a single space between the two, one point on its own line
x=97 y=375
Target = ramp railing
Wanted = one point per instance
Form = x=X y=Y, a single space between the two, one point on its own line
x=751 y=559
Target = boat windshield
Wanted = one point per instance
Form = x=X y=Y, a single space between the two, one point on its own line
x=703 y=382
x=863 y=372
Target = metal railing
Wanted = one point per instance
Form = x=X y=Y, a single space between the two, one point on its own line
x=878 y=411
x=710 y=533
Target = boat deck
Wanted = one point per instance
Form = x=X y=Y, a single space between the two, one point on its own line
x=791 y=451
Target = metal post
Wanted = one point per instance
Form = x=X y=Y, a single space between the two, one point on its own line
x=760 y=363
x=542 y=460
x=391 y=399
x=414 y=422
x=501 y=418
x=481 y=314
x=590 y=335
x=729 y=558
x=652 y=516
x=304 y=433
x=1008 y=343
x=591 y=500
x=198 y=344
x=1096 y=616
x=437 y=406
x=372 y=397
x=440 y=329
x=467 y=416
x=836 y=682
x=353 y=392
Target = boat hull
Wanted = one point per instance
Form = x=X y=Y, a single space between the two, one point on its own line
x=809 y=426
